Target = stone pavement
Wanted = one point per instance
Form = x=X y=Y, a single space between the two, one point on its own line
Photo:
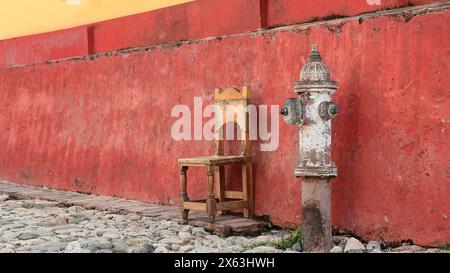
x=46 y=226
x=78 y=223
x=43 y=220
x=224 y=225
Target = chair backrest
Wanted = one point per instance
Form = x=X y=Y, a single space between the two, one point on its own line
x=231 y=108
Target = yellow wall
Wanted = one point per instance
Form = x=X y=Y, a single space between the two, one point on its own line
x=24 y=17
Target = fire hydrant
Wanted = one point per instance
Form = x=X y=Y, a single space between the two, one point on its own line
x=313 y=111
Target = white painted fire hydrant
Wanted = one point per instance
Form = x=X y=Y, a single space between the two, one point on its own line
x=313 y=111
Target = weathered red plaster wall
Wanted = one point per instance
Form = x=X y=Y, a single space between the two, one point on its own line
x=102 y=125
x=43 y=47
x=284 y=12
x=190 y=21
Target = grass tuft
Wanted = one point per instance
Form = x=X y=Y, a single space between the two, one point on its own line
x=285 y=243
x=445 y=246
x=291 y=240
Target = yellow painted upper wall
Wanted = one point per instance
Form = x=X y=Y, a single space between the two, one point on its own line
x=25 y=17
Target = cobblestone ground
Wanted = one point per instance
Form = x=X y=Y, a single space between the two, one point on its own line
x=43 y=226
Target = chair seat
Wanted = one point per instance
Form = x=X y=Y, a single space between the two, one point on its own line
x=211 y=160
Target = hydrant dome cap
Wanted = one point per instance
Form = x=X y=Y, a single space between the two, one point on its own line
x=315 y=70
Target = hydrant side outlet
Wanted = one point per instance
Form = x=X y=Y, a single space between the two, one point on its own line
x=292 y=111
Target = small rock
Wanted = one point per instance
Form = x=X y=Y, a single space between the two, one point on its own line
x=43 y=232
x=185 y=237
x=67 y=231
x=167 y=233
x=52 y=247
x=31 y=221
x=202 y=249
x=76 y=209
x=435 y=250
x=373 y=247
x=14 y=204
x=4 y=197
x=336 y=249
x=266 y=238
x=94 y=244
x=170 y=240
x=12 y=226
x=9 y=236
x=262 y=249
x=63 y=229
x=7 y=248
x=144 y=248
x=215 y=241
x=75 y=247
x=111 y=235
x=353 y=245
x=340 y=241
x=186 y=228
x=297 y=247
x=67 y=238
x=120 y=246
x=198 y=231
x=408 y=249
x=134 y=217
x=175 y=247
x=104 y=251
x=30 y=242
x=76 y=219
x=185 y=249
x=58 y=220
x=238 y=240
x=280 y=233
x=161 y=249
x=27 y=236
x=158 y=244
x=82 y=250
x=40 y=204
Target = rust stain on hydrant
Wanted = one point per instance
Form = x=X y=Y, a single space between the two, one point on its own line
x=312 y=111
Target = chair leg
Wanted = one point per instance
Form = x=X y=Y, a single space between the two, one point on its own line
x=247 y=186
x=183 y=194
x=211 y=201
x=219 y=182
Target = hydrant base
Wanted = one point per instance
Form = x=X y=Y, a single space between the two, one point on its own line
x=316 y=215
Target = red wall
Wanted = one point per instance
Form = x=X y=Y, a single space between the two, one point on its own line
x=190 y=21
x=102 y=125
x=43 y=47
x=283 y=12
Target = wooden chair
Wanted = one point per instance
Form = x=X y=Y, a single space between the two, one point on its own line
x=218 y=198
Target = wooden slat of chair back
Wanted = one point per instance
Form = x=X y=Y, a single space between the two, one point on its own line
x=236 y=102
x=231 y=93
